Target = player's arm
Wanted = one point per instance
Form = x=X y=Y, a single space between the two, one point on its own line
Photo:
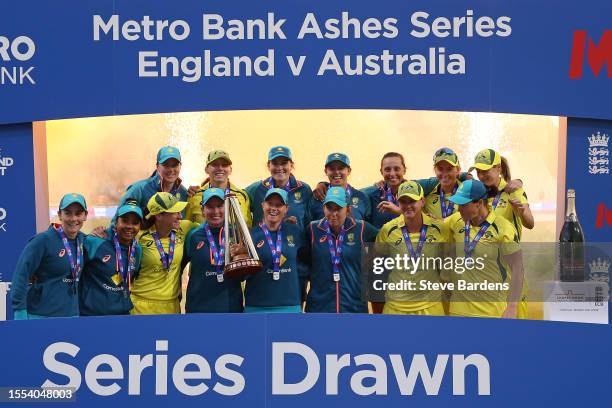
x=520 y=206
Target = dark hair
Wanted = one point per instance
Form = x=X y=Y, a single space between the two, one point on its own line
x=505 y=169
x=393 y=154
x=147 y=222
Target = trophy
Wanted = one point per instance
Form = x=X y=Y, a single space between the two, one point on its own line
x=236 y=231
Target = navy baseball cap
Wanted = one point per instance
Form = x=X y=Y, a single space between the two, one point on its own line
x=469 y=191
x=339 y=157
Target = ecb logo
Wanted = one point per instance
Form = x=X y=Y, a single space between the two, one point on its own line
x=2 y=218
x=5 y=163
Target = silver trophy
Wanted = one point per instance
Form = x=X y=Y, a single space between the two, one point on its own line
x=236 y=231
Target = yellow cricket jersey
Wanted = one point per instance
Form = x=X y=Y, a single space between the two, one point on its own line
x=432 y=202
x=153 y=281
x=506 y=210
x=416 y=299
x=491 y=269
x=194 y=208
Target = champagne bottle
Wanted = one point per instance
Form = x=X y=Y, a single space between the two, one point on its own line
x=571 y=242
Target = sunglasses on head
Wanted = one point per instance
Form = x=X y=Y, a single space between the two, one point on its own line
x=443 y=151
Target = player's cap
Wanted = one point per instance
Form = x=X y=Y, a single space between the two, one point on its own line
x=279 y=151
x=166 y=153
x=410 y=189
x=216 y=155
x=280 y=192
x=336 y=195
x=164 y=202
x=129 y=208
x=447 y=155
x=72 y=198
x=212 y=192
x=486 y=159
x=339 y=157
x=469 y=191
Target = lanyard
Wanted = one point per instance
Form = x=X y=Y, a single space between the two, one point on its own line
x=415 y=255
x=287 y=187
x=276 y=251
x=131 y=264
x=166 y=259
x=75 y=265
x=496 y=200
x=446 y=211
x=469 y=246
x=388 y=194
x=335 y=248
x=217 y=255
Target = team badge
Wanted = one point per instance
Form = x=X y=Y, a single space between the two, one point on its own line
x=200 y=245
x=355 y=201
x=323 y=239
x=260 y=244
x=117 y=279
x=62 y=253
x=106 y=258
x=297 y=196
x=350 y=238
x=290 y=241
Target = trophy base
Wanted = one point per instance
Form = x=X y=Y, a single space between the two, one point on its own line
x=242 y=268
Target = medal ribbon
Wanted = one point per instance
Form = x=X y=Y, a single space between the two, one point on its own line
x=287 y=187
x=131 y=265
x=446 y=211
x=218 y=255
x=388 y=194
x=75 y=265
x=276 y=251
x=496 y=200
x=469 y=246
x=335 y=248
x=423 y=235
x=166 y=259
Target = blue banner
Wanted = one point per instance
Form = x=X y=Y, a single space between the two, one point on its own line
x=124 y=57
x=588 y=172
x=17 y=203
x=309 y=360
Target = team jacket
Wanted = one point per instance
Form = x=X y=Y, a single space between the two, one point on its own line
x=376 y=196
x=204 y=293
x=359 y=202
x=261 y=289
x=322 y=294
x=141 y=191
x=102 y=289
x=299 y=197
x=43 y=284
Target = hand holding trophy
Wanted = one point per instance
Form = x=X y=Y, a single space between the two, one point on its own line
x=241 y=257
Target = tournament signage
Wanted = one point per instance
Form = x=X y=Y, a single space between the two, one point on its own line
x=323 y=360
x=17 y=203
x=122 y=57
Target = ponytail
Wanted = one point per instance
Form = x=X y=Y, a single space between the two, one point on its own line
x=505 y=169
